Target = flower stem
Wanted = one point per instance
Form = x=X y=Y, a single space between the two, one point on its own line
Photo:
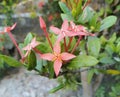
x=37 y=51
x=65 y=45
x=15 y=43
x=86 y=4
x=80 y=37
x=71 y=38
x=48 y=38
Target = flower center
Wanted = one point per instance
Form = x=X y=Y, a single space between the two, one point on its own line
x=57 y=56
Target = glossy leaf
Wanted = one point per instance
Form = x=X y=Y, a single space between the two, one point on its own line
x=64 y=8
x=93 y=46
x=108 y=22
x=82 y=61
x=31 y=59
x=28 y=38
x=10 y=61
x=106 y=60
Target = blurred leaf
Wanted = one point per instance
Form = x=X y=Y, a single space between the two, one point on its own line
x=93 y=46
x=87 y=14
x=67 y=17
x=57 y=88
x=90 y=75
x=113 y=38
x=1 y=63
x=113 y=72
x=106 y=60
x=103 y=40
x=118 y=7
x=28 y=38
x=82 y=61
x=108 y=22
x=64 y=8
x=11 y=61
x=31 y=61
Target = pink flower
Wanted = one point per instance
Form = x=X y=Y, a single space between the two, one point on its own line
x=63 y=32
x=57 y=57
x=41 y=4
x=8 y=29
x=31 y=46
x=42 y=23
x=79 y=30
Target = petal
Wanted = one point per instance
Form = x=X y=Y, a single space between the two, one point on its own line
x=34 y=43
x=47 y=56
x=65 y=25
x=57 y=66
x=82 y=33
x=55 y=30
x=57 y=48
x=26 y=54
x=60 y=37
x=13 y=26
x=28 y=47
x=67 y=56
x=42 y=23
x=71 y=33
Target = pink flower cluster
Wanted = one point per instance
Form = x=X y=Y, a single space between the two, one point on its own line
x=68 y=29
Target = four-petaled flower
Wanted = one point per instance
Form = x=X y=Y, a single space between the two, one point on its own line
x=63 y=32
x=57 y=57
x=31 y=46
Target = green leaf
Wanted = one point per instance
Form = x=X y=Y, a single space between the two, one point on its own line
x=113 y=38
x=67 y=17
x=93 y=46
x=106 y=60
x=31 y=59
x=90 y=75
x=79 y=7
x=28 y=38
x=57 y=88
x=1 y=63
x=10 y=61
x=64 y=8
x=82 y=61
x=87 y=14
x=40 y=64
x=108 y=22
x=103 y=40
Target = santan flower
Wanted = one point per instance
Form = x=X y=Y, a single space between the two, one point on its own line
x=57 y=57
